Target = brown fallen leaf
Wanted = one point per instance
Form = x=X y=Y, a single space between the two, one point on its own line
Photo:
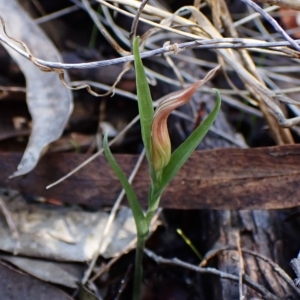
x=49 y=102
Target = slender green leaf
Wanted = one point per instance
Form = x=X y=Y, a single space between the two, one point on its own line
x=184 y=151
x=144 y=99
x=139 y=217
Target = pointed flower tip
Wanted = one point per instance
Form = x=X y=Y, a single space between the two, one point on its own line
x=160 y=140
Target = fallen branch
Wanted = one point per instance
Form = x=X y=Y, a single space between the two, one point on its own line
x=261 y=178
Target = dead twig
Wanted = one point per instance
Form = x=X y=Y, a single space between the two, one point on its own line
x=273 y=22
x=123 y=131
x=135 y=21
x=176 y=262
x=199 y=44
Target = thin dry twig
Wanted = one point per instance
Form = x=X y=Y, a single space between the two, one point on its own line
x=121 y=133
x=135 y=21
x=56 y=14
x=105 y=268
x=102 y=29
x=5 y=90
x=59 y=71
x=253 y=16
x=176 y=262
x=273 y=22
x=210 y=44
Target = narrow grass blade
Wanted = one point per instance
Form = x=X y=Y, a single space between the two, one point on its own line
x=137 y=212
x=146 y=110
x=189 y=243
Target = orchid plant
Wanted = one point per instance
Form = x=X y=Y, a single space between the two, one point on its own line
x=163 y=165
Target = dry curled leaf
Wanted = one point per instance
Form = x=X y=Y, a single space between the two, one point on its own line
x=64 y=233
x=49 y=102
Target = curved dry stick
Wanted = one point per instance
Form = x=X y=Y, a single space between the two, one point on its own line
x=246 y=279
x=135 y=21
x=273 y=22
x=199 y=44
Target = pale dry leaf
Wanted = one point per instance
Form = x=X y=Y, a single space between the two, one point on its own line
x=65 y=233
x=49 y=102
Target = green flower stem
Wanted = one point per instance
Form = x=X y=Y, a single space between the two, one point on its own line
x=141 y=241
x=138 y=269
x=152 y=208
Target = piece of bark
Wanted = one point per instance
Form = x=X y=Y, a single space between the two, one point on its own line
x=262 y=232
x=261 y=178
